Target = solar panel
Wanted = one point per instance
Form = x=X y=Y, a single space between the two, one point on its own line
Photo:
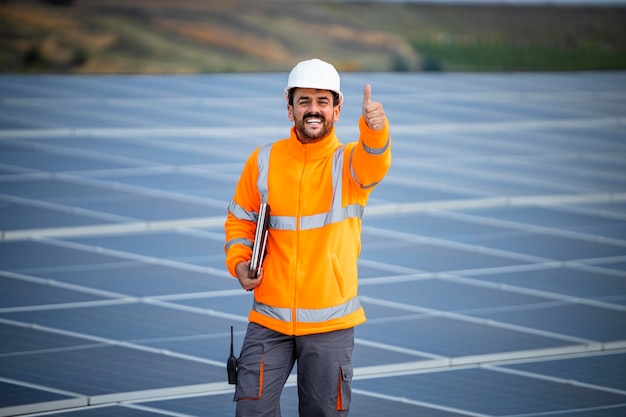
x=492 y=269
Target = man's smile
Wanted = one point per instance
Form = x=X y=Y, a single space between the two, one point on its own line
x=313 y=119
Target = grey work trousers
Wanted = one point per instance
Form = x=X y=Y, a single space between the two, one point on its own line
x=324 y=372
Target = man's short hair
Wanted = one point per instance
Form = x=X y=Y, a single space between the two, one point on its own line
x=292 y=91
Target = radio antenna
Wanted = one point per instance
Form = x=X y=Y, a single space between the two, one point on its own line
x=231 y=364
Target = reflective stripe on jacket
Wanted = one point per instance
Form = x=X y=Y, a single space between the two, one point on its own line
x=317 y=193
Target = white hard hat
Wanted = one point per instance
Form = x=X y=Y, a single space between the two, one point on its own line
x=314 y=73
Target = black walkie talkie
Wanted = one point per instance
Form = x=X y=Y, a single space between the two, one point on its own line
x=231 y=364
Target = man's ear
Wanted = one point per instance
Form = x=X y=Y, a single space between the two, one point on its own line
x=336 y=112
x=290 y=112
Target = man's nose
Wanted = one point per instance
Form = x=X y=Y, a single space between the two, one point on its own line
x=314 y=107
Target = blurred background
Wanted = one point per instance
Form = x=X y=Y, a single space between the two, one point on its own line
x=209 y=36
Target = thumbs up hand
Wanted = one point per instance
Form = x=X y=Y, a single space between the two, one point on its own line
x=373 y=111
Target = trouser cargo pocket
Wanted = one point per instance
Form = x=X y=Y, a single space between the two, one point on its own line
x=250 y=375
x=344 y=389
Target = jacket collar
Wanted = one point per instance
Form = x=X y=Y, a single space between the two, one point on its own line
x=316 y=150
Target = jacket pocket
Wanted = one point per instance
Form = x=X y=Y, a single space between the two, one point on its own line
x=250 y=376
x=344 y=389
x=341 y=282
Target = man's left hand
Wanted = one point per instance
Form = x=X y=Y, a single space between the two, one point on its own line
x=373 y=111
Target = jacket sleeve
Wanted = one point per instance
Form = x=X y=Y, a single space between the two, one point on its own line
x=371 y=158
x=242 y=215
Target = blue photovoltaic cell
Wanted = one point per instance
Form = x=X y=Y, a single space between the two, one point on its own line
x=448 y=337
x=26 y=255
x=18 y=293
x=125 y=320
x=61 y=191
x=422 y=256
x=589 y=322
x=16 y=395
x=107 y=370
x=428 y=225
x=19 y=217
x=135 y=278
x=159 y=245
x=552 y=247
x=108 y=411
x=460 y=297
x=597 y=370
x=508 y=394
x=17 y=340
x=567 y=281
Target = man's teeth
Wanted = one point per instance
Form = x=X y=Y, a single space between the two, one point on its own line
x=313 y=121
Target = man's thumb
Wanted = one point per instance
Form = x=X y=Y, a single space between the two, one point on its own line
x=367 y=94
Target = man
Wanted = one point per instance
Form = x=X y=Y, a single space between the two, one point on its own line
x=305 y=297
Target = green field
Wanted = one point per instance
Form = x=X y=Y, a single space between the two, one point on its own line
x=190 y=36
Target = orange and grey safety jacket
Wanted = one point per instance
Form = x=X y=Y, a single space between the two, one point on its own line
x=317 y=193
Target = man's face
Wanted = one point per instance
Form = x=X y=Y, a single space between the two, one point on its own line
x=313 y=113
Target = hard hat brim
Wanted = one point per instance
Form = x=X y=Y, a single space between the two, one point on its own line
x=286 y=92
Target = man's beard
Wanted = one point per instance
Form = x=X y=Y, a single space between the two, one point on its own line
x=312 y=136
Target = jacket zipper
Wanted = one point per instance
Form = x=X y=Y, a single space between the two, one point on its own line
x=294 y=303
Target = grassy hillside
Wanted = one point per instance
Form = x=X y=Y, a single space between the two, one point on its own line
x=167 y=36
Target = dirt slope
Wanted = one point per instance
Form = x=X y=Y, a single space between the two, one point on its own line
x=163 y=36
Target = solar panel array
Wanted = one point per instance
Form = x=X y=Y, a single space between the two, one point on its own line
x=493 y=266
